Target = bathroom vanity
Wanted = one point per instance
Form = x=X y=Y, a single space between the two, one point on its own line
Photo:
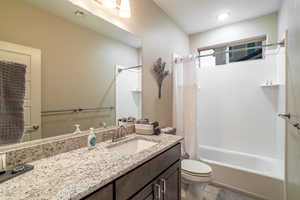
x=137 y=167
x=158 y=178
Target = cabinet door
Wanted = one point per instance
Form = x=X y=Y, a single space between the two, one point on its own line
x=150 y=192
x=134 y=181
x=105 y=193
x=170 y=182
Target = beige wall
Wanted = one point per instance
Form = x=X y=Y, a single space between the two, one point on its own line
x=77 y=63
x=161 y=37
x=264 y=25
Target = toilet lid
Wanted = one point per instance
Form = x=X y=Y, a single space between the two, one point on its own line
x=195 y=167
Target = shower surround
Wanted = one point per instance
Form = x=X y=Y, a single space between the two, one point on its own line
x=239 y=132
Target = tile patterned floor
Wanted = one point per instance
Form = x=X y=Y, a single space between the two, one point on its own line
x=217 y=193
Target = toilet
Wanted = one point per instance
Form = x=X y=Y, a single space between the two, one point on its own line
x=195 y=177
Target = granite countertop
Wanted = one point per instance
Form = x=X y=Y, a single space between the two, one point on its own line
x=77 y=173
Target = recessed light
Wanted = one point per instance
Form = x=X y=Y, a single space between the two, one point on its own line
x=223 y=16
x=79 y=13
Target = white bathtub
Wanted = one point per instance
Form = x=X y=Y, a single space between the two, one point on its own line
x=257 y=176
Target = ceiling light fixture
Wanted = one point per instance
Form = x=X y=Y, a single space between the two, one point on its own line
x=123 y=9
x=223 y=16
x=110 y=3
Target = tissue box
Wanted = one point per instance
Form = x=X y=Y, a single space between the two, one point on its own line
x=144 y=129
x=125 y=123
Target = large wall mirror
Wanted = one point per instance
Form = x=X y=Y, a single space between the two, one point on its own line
x=79 y=69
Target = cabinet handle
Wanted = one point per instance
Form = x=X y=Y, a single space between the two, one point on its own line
x=157 y=191
x=164 y=187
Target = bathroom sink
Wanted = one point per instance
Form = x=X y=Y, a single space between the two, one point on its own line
x=130 y=147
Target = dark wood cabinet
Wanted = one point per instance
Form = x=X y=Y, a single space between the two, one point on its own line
x=134 y=181
x=150 y=192
x=170 y=183
x=156 y=179
x=166 y=187
x=105 y=193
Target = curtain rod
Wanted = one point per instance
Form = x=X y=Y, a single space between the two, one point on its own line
x=134 y=67
x=281 y=44
x=234 y=43
x=243 y=49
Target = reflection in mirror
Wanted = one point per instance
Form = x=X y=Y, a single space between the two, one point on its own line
x=128 y=92
x=75 y=74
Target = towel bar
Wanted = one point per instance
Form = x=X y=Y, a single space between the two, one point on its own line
x=287 y=117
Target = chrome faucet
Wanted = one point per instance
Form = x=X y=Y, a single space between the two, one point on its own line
x=119 y=134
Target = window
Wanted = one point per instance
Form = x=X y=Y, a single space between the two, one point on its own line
x=233 y=53
x=236 y=55
x=221 y=58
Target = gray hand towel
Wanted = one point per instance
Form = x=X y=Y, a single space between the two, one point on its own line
x=12 y=93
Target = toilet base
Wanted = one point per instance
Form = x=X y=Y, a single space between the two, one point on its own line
x=191 y=190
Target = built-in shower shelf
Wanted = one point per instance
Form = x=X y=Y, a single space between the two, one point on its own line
x=136 y=90
x=272 y=85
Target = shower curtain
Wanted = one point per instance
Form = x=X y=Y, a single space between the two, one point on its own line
x=185 y=104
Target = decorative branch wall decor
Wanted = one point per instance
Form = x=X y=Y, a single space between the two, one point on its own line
x=160 y=74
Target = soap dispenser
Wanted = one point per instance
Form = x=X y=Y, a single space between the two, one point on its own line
x=77 y=130
x=2 y=163
x=92 y=139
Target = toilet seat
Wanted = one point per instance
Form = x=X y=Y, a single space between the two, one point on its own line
x=195 y=168
x=187 y=178
x=195 y=171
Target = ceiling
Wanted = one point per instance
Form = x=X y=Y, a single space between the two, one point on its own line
x=93 y=18
x=200 y=15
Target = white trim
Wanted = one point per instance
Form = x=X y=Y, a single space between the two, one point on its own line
x=16 y=47
x=35 y=63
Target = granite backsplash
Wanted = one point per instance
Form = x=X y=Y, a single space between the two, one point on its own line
x=29 y=153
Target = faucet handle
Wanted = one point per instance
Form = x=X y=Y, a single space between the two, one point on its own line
x=123 y=130
x=119 y=133
x=115 y=135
